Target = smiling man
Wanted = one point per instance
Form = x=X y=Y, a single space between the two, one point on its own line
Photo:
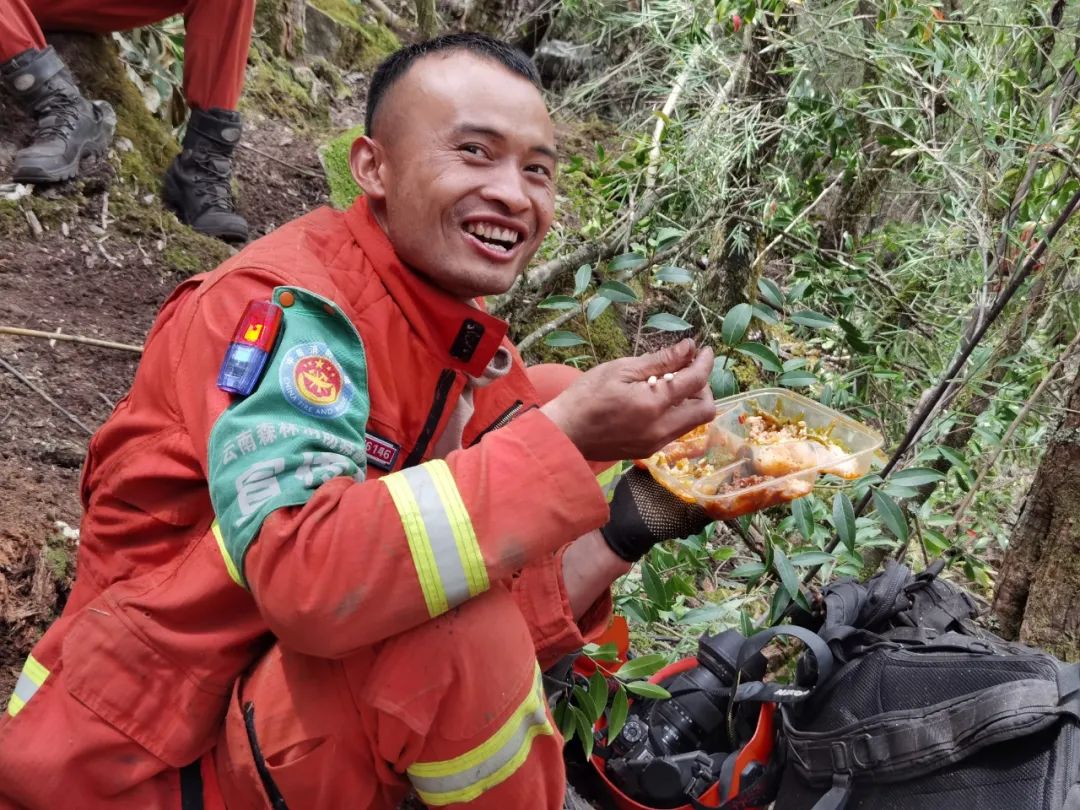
x=334 y=466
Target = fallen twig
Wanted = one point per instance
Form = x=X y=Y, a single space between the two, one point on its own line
x=104 y=344
x=32 y=221
x=293 y=166
x=14 y=371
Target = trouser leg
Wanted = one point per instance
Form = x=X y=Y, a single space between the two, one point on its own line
x=216 y=51
x=19 y=31
x=453 y=709
x=216 y=42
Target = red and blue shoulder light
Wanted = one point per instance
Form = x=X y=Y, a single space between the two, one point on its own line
x=250 y=348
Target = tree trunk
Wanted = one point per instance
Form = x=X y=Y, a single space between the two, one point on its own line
x=1040 y=578
x=427 y=18
x=282 y=25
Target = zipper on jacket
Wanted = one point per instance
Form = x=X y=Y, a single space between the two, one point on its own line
x=504 y=419
x=438 y=405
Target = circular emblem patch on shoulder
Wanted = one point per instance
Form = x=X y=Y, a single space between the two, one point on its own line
x=314 y=382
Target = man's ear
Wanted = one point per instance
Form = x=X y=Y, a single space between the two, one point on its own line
x=368 y=163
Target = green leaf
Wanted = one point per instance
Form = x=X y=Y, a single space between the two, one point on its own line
x=666 y=237
x=596 y=307
x=620 y=707
x=763 y=354
x=654 y=586
x=627 y=261
x=955 y=459
x=674 y=275
x=598 y=694
x=666 y=322
x=582 y=278
x=617 y=292
x=786 y=572
x=558 y=302
x=891 y=514
x=797 y=292
x=584 y=730
x=765 y=315
x=648 y=690
x=854 y=338
x=560 y=338
x=564 y=719
x=601 y=652
x=641 y=667
x=812 y=558
x=843 y=515
x=915 y=476
x=748 y=570
x=721 y=381
x=813 y=320
x=802 y=510
x=704 y=615
x=797 y=379
x=771 y=293
x=735 y=323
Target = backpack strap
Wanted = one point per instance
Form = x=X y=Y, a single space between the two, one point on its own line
x=898 y=745
x=780 y=692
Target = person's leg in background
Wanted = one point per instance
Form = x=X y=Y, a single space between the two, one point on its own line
x=69 y=128
x=217 y=38
x=197 y=185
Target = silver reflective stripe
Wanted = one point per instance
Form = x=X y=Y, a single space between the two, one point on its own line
x=25 y=688
x=31 y=678
x=494 y=761
x=440 y=534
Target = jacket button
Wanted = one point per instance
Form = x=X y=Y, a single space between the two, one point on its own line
x=286 y=299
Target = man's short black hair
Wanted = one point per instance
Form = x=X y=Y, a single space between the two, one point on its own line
x=394 y=66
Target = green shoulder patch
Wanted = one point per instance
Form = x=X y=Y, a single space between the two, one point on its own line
x=303 y=425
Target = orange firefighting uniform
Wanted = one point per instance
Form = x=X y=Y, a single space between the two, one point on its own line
x=218 y=34
x=345 y=554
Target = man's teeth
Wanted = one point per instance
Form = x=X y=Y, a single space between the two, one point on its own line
x=493 y=233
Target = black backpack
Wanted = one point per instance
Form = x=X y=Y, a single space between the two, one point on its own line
x=903 y=703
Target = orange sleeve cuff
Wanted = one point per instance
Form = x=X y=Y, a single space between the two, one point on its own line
x=541 y=596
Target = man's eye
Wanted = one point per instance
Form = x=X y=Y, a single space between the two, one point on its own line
x=472 y=149
x=538 y=168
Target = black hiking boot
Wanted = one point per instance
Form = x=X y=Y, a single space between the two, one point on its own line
x=197 y=183
x=69 y=128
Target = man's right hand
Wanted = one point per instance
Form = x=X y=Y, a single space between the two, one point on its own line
x=612 y=413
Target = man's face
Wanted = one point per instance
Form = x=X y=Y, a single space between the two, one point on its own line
x=460 y=173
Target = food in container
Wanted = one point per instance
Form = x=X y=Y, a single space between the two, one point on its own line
x=762 y=448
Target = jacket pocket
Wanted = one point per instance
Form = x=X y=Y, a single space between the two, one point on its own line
x=136 y=690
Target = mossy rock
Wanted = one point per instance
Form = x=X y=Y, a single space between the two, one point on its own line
x=272 y=89
x=338 y=31
x=334 y=156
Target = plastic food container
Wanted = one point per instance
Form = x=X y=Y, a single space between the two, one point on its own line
x=763 y=448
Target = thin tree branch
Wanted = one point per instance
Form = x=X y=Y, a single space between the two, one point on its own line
x=37 y=333
x=15 y=372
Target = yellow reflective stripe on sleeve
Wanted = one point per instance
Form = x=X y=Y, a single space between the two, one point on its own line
x=419 y=542
x=31 y=678
x=230 y=566
x=608 y=479
x=440 y=534
x=464 y=536
x=465 y=777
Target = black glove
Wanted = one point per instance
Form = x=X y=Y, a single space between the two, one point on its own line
x=644 y=513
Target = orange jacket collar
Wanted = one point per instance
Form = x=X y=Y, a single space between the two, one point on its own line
x=464 y=336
